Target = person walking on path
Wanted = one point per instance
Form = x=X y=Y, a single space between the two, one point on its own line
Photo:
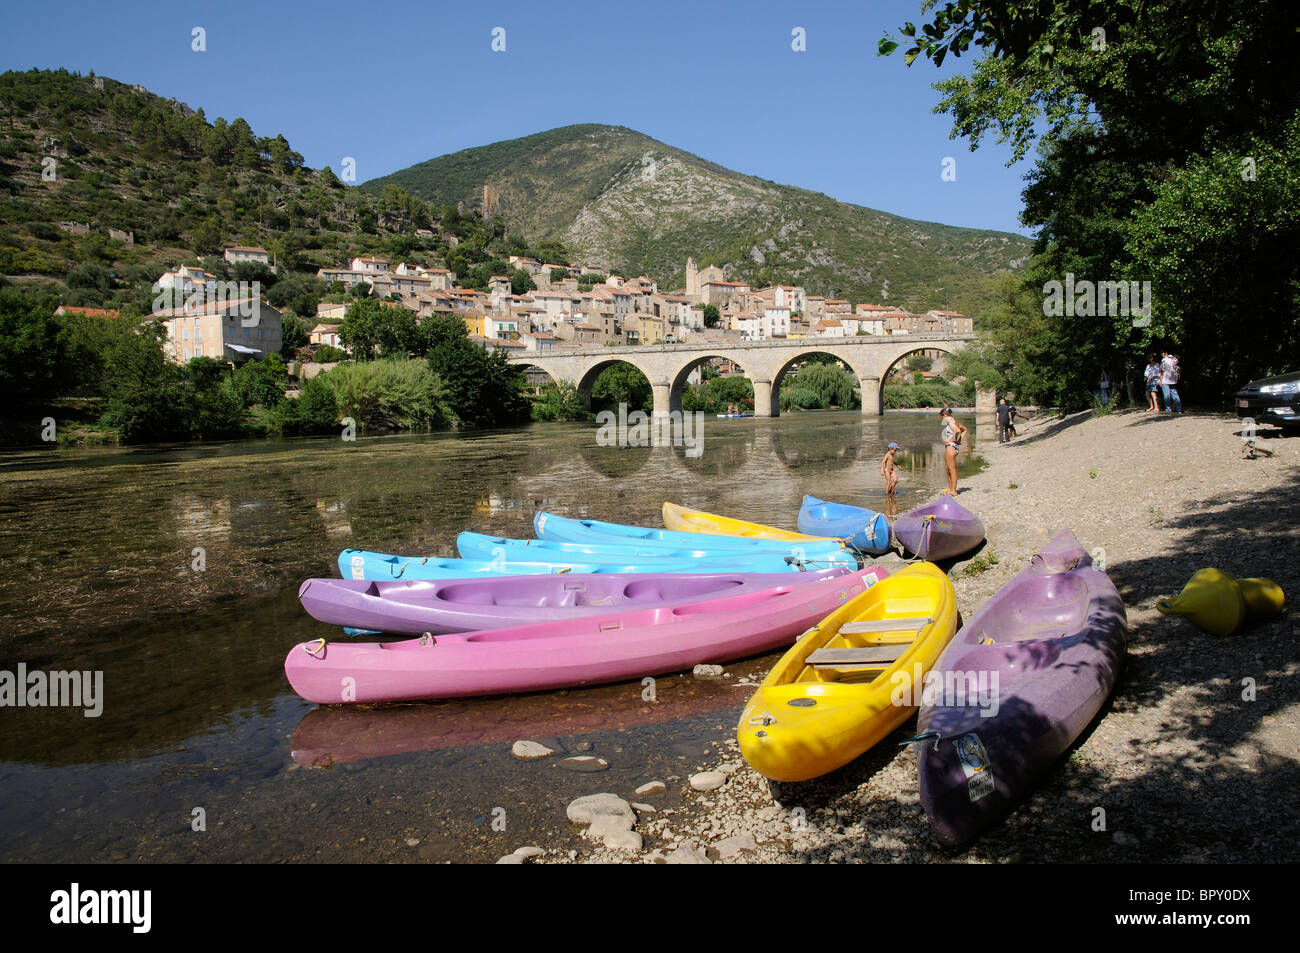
x=1004 y=421
x=952 y=434
x=1169 y=374
x=1152 y=378
x=887 y=470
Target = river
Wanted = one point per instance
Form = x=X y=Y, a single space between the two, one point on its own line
x=174 y=571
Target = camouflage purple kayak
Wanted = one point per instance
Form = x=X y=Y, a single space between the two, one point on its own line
x=939 y=530
x=413 y=607
x=1015 y=688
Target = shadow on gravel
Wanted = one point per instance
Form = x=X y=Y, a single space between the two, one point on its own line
x=1219 y=784
x=1215 y=788
x=1061 y=425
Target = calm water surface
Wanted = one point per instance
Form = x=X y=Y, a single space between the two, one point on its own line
x=175 y=571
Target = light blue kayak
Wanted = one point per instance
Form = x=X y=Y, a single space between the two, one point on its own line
x=359 y=564
x=548 y=526
x=865 y=530
x=479 y=546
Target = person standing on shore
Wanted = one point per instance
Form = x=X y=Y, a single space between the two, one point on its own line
x=1152 y=377
x=1169 y=374
x=1004 y=421
x=952 y=434
x=887 y=470
x=1105 y=388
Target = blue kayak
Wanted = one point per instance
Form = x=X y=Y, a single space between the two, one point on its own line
x=548 y=526
x=479 y=546
x=865 y=530
x=359 y=564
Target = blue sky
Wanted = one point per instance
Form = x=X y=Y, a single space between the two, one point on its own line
x=396 y=83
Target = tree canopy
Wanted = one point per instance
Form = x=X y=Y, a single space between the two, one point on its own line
x=1168 y=151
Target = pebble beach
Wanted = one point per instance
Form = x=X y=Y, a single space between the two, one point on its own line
x=1194 y=759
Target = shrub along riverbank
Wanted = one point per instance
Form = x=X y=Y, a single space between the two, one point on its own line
x=76 y=379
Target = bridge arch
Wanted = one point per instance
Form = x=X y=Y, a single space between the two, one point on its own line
x=891 y=359
x=798 y=358
x=587 y=381
x=678 y=381
x=534 y=381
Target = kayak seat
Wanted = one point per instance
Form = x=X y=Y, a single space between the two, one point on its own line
x=872 y=657
x=904 y=624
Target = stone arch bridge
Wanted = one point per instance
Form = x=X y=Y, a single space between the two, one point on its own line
x=766 y=363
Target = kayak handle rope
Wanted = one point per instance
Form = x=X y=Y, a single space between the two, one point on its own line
x=924 y=547
x=320 y=647
x=929 y=734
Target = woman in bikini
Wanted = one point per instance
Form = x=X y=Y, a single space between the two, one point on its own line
x=952 y=434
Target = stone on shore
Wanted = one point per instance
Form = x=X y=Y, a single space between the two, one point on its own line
x=707 y=671
x=652 y=789
x=623 y=840
x=521 y=855
x=586 y=809
x=708 y=780
x=528 y=750
x=687 y=854
x=604 y=824
x=729 y=847
x=583 y=763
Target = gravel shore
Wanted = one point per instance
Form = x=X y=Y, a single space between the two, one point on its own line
x=1187 y=763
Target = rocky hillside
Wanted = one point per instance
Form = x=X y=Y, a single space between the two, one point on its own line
x=623 y=201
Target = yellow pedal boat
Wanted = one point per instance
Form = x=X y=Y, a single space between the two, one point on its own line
x=851 y=679
x=681 y=519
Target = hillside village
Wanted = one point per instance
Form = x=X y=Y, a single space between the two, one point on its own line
x=560 y=312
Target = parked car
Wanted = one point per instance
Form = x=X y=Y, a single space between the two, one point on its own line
x=1272 y=400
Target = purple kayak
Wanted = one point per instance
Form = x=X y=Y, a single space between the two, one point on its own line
x=413 y=607
x=1015 y=689
x=939 y=530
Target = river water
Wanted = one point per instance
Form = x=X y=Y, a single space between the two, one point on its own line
x=174 y=571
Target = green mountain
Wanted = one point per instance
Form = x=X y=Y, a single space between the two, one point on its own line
x=622 y=201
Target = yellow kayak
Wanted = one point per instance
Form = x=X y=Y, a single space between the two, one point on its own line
x=695 y=521
x=851 y=679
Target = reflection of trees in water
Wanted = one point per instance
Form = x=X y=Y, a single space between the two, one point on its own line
x=916 y=460
x=822 y=448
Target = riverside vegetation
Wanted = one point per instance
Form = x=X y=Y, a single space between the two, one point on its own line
x=1168 y=144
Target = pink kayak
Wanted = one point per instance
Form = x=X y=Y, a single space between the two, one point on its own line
x=569 y=652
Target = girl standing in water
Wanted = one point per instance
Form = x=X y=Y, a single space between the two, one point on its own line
x=952 y=434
